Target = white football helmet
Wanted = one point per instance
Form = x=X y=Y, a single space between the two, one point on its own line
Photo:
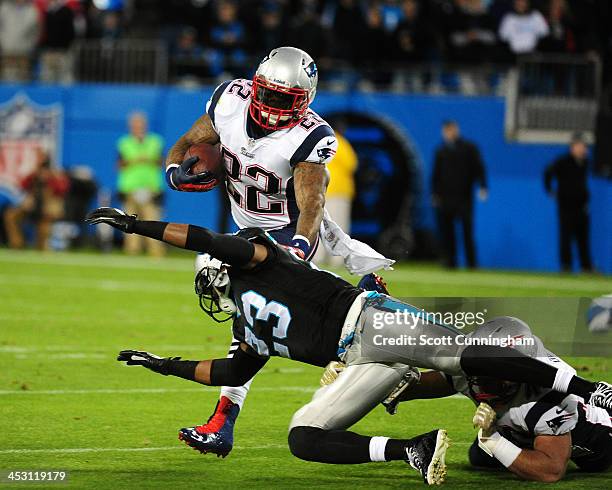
x=284 y=85
x=213 y=287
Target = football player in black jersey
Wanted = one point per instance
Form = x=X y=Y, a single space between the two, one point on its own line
x=291 y=309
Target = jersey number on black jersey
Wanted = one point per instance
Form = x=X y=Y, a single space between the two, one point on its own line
x=265 y=311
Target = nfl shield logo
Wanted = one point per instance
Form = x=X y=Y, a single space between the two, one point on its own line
x=25 y=129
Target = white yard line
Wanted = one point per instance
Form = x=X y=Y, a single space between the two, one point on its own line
x=127 y=391
x=78 y=450
x=155 y=391
x=501 y=281
x=97 y=260
x=99 y=284
x=496 y=280
x=165 y=287
x=67 y=356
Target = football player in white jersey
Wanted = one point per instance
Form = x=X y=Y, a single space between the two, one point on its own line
x=532 y=431
x=274 y=149
x=273 y=145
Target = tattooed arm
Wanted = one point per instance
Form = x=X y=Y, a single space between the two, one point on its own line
x=311 y=180
x=202 y=131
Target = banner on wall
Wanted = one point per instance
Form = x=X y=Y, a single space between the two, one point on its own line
x=27 y=128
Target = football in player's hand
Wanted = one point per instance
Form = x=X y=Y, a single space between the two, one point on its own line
x=210 y=159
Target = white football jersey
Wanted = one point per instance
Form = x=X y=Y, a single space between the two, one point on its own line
x=260 y=170
x=536 y=411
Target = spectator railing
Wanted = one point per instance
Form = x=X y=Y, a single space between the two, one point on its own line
x=121 y=61
x=148 y=61
x=552 y=96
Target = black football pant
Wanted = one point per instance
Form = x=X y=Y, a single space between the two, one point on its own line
x=574 y=225
x=446 y=222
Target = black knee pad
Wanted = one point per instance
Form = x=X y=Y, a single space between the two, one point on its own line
x=303 y=442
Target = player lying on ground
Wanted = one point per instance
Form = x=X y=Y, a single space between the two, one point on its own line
x=532 y=431
x=293 y=310
x=274 y=148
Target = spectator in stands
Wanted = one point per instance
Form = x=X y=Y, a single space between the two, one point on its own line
x=307 y=31
x=140 y=182
x=19 y=36
x=188 y=56
x=340 y=191
x=411 y=44
x=522 y=28
x=187 y=45
x=471 y=44
x=374 y=57
x=457 y=168
x=346 y=20
x=43 y=203
x=55 y=59
x=471 y=33
x=103 y=24
x=111 y=26
x=561 y=37
x=498 y=8
x=227 y=38
x=570 y=172
x=411 y=36
x=271 y=31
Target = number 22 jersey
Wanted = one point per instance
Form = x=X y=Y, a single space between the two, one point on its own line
x=259 y=170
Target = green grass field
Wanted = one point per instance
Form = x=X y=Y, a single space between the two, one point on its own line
x=66 y=404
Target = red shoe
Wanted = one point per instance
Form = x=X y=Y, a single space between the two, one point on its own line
x=217 y=435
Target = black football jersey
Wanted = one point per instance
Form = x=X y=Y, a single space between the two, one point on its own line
x=289 y=307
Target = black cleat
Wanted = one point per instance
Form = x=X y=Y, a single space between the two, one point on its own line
x=427 y=453
x=602 y=396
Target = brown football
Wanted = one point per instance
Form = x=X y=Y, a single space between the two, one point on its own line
x=210 y=159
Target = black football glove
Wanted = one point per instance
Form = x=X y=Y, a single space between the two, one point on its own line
x=179 y=178
x=112 y=216
x=146 y=359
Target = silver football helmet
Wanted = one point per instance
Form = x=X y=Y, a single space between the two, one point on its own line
x=284 y=85
x=212 y=285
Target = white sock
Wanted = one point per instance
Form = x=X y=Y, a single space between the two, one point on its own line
x=237 y=394
x=377 y=448
x=562 y=380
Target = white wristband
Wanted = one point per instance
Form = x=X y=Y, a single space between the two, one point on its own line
x=505 y=452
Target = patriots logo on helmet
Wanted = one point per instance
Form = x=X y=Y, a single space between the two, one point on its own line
x=325 y=153
x=311 y=69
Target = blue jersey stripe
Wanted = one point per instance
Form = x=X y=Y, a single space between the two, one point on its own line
x=305 y=149
x=215 y=98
